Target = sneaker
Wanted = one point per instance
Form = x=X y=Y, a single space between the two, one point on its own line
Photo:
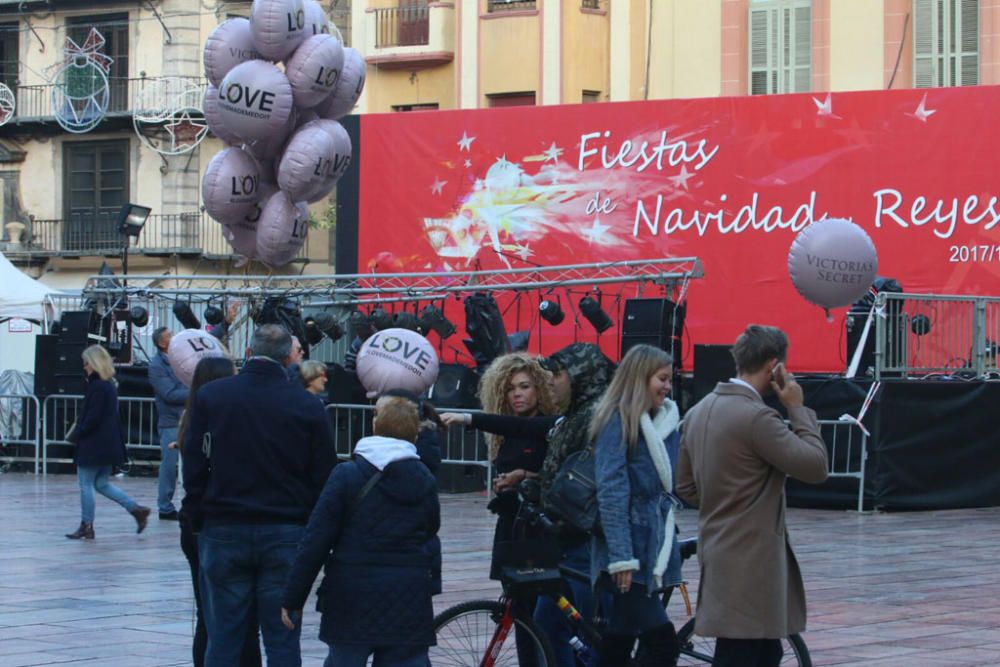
x=169 y=516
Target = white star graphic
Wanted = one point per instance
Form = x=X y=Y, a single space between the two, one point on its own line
x=825 y=108
x=553 y=153
x=681 y=179
x=185 y=132
x=438 y=185
x=465 y=143
x=923 y=113
x=524 y=252
x=479 y=184
x=596 y=232
x=468 y=164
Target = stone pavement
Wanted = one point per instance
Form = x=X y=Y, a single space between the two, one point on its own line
x=884 y=590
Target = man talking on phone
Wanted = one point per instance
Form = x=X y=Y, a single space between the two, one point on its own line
x=735 y=455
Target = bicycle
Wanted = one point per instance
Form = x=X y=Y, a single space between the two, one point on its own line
x=480 y=633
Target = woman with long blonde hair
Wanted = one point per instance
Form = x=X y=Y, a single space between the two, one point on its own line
x=99 y=443
x=635 y=433
x=518 y=412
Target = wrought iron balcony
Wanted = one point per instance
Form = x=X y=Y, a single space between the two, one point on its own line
x=35 y=102
x=191 y=234
x=408 y=25
x=493 y=6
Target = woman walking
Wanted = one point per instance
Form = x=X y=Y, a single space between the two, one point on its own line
x=99 y=444
x=207 y=370
x=637 y=554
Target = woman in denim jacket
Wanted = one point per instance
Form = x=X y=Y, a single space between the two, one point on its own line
x=637 y=553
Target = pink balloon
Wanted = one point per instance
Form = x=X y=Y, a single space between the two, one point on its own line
x=352 y=81
x=832 y=263
x=314 y=69
x=230 y=186
x=397 y=359
x=277 y=26
x=282 y=230
x=342 y=161
x=310 y=159
x=226 y=47
x=242 y=235
x=210 y=107
x=189 y=347
x=316 y=20
x=255 y=101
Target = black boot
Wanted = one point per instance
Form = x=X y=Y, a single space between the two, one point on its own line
x=84 y=532
x=141 y=515
x=616 y=650
x=659 y=647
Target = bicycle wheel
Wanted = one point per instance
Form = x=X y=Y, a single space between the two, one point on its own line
x=697 y=650
x=465 y=631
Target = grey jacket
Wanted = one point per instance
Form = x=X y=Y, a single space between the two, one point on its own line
x=170 y=393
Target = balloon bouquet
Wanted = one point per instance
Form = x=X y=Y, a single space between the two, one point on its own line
x=286 y=148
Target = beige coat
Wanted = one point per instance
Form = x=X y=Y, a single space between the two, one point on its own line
x=735 y=455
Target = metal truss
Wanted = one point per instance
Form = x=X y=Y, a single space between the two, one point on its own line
x=394 y=287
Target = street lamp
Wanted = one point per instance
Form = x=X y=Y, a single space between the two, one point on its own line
x=130 y=221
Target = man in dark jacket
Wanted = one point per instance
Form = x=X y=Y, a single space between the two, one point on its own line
x=170 y=395
x=257 y=452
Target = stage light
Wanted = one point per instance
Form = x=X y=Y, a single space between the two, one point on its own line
x=432 y=319
x=551 y=312
x=380 y=319
x=361 y=326
x=328 y=324
x=139 y=316
x=184 y=315
x=594 y=314
x=920 y=325
x=404 y=319
x=131 y=219
x=213 y=315
x=313 y=335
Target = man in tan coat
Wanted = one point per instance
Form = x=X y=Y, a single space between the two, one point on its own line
x=735 y=455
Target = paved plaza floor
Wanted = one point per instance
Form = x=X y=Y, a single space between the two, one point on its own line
x=884 y=590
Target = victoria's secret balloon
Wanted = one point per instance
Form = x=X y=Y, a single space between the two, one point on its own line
x=832 y=263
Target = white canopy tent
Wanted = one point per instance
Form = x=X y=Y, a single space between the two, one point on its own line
x=22 y=296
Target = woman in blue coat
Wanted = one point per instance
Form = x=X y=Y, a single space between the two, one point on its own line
x=99 y=444
x=637 y=554
x=371 y=527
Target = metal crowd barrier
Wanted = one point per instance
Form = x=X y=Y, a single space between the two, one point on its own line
x=20 y=420
x=847 y=450
x=138 y=420
x=461 y=446
x=923 y=334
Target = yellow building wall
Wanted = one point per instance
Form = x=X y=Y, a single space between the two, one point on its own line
x=386 y=88
x=638 y=13
x=686 y=53
x=509 y=56
x=857 y=45
x=586 y=47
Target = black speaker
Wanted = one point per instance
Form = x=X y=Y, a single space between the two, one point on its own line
x=343 y=387
x=68 y=358
x=455 y=387
x=77 y=325
x=656 y=322
x=45 y=364
x=712 y=364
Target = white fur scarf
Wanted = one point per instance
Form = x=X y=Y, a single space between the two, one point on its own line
x=655 y=432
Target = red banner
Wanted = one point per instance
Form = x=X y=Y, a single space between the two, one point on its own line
x=728 y=180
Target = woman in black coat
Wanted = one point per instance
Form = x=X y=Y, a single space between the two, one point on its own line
x=371 y=527
x=99 y=444
x=518 y=413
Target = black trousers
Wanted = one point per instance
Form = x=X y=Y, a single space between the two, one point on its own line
x=747 y=653
x=251 y=649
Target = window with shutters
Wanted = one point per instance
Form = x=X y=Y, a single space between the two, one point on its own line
x=945 y=43
x=9 y=64
x=780 y=47
x=114 y=28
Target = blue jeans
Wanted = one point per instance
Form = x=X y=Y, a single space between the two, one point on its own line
x=354 y=655
x=96 y=477
x=242 y=564
x=168 y=471
x=552 y=621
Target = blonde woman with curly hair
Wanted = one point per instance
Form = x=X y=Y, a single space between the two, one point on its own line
x=518 y=412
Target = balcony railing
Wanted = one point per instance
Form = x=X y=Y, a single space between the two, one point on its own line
x=402 y=26
x=593 y=4
x=510 y=5
x=193 y=234
x=34 y=102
